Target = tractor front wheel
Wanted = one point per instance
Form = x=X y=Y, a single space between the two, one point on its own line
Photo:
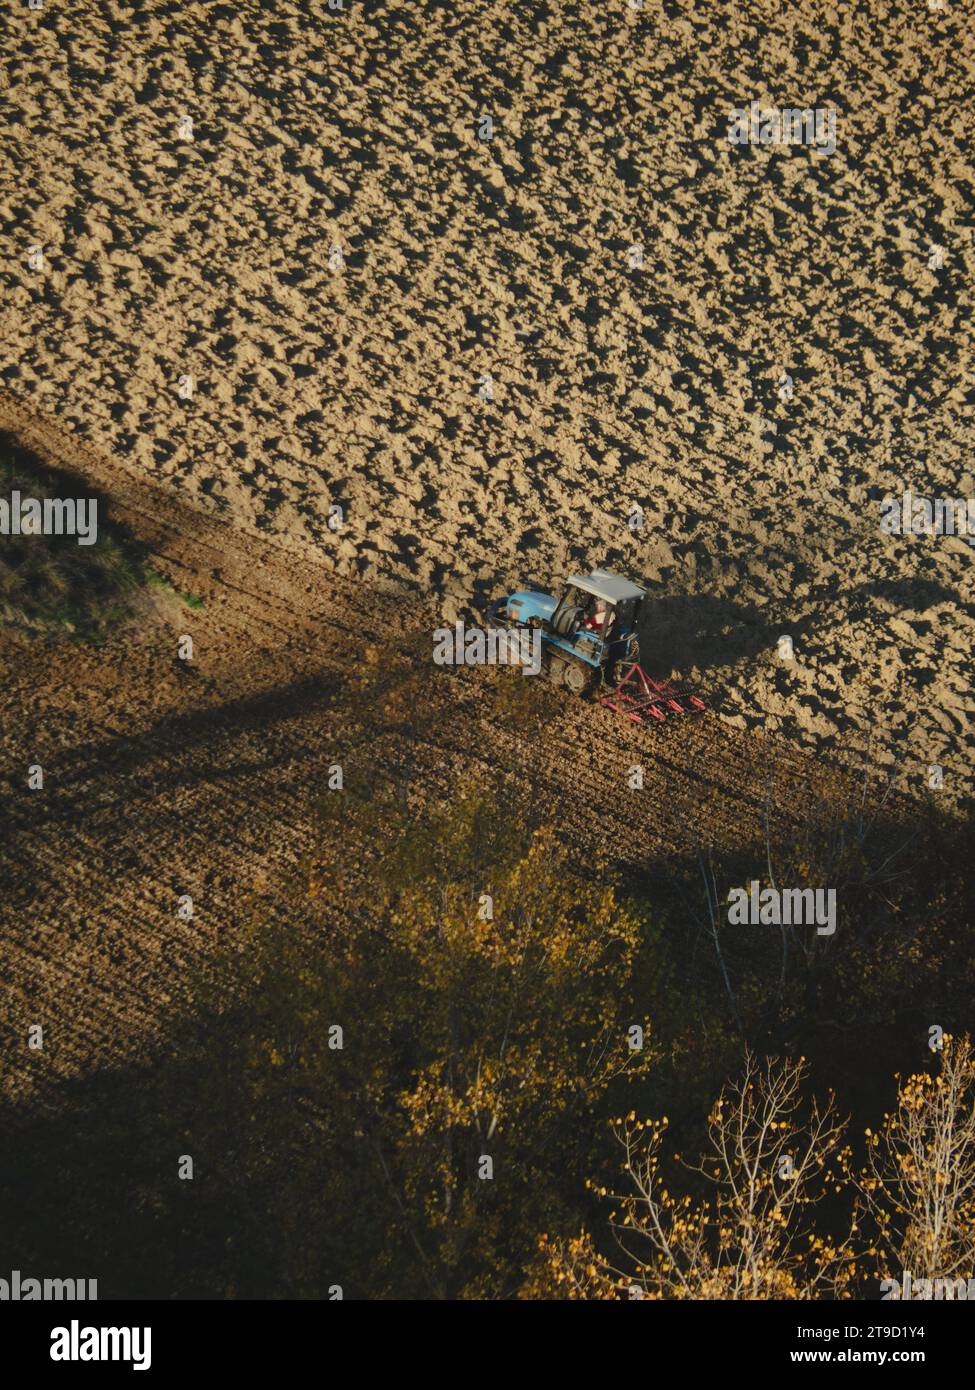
x=576 y=678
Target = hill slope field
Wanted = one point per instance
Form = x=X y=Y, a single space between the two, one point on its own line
x=265 y=259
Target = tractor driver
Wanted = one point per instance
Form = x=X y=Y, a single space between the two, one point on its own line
x=598 y=619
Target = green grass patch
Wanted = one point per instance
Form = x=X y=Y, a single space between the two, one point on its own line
x=155 y=580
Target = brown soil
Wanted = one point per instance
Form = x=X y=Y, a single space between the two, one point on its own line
x=164 y=777
x=355 y=382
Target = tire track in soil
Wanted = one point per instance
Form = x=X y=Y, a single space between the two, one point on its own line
x=159 y=783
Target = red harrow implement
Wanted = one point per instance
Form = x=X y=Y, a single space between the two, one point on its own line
x=640 y=698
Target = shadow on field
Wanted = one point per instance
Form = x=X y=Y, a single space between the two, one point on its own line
x=188 y=750
x=277 y=1205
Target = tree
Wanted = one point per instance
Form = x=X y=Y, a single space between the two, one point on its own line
x=918 y=1183
x=486 y=1009
x=769 y=1162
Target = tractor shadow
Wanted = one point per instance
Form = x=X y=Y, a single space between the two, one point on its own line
x=706 y=631
x=685 y=631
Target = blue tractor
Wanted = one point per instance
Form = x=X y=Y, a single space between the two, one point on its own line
x=588 y=634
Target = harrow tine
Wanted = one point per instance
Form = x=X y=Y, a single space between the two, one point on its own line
x=640 y=698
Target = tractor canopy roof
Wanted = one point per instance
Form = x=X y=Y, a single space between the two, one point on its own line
x=611 y=588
